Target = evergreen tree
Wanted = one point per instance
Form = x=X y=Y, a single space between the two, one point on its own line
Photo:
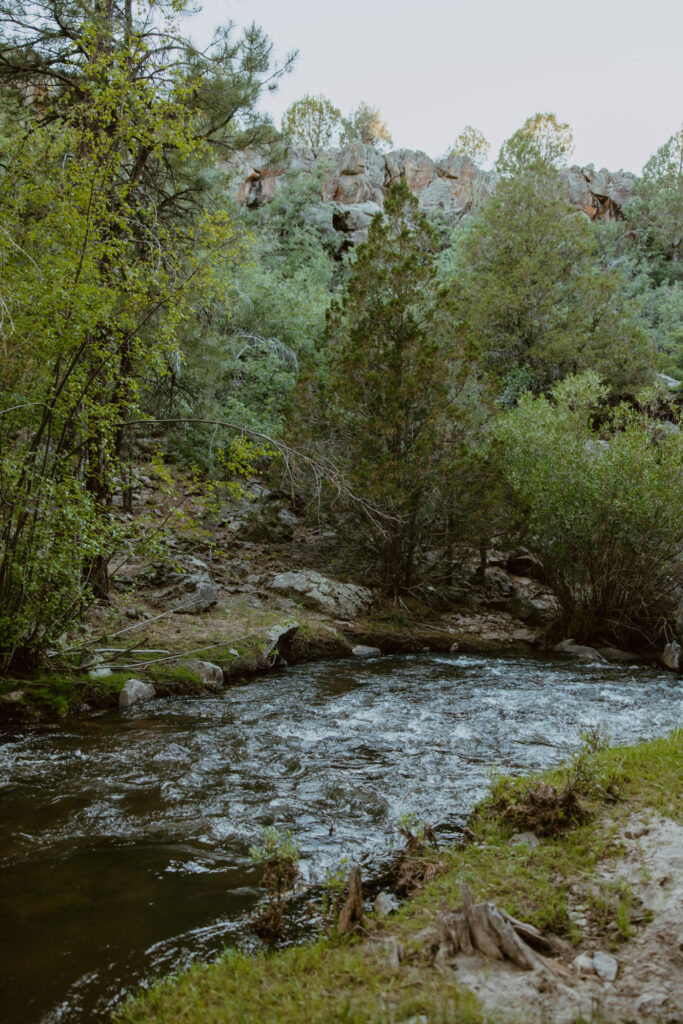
x=532 y=295
x=392 y=387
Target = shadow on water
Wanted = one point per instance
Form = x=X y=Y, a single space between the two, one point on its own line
x=124 y=838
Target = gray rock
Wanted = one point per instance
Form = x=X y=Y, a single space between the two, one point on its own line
x=529 y=839
x=606 y=966
x=200 y=598
x=278 y=641
x=650 y=1002
x=385 y=904
x=584 y=654
x=341 y=600
x=13 y=697
x=134 y=692
x=671 y=656
x=524 y=609
x=210 y=675
x=354 y=216
x=584 y=964
x=99 y=673
x=361 y=651
x=617 y=655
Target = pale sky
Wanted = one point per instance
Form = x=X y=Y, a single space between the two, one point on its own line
x=612 y=68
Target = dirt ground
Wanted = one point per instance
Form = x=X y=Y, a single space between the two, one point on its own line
x=649 y=981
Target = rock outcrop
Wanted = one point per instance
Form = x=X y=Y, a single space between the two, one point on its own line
x=342 y=600
x=356 y=178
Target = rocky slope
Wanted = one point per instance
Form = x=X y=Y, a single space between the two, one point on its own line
x=356 y=178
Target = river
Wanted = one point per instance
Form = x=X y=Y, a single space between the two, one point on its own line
x=124 y=836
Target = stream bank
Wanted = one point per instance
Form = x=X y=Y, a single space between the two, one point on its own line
x=608 y=893
x=125 y=836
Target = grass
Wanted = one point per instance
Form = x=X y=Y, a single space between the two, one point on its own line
x=354 y=981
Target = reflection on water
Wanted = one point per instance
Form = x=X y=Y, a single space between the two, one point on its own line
x=124 y=837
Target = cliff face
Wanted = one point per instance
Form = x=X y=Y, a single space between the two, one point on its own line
x=356 y=179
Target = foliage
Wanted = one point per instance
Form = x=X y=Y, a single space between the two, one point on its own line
x=603 y=509
x=365 y=124
x=656 y=211
x=532 y=295
x=278 y=857
x=473 y=144
x=104 y=240
x=243 y=350
x=388 y=399
x=541 y=142
x=313 y=121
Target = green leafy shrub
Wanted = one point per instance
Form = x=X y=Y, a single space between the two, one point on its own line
x=278 y=857
x=603 y=508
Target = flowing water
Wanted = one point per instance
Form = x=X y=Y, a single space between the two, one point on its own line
x=124 y=837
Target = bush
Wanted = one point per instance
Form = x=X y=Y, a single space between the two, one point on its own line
x=603 y=508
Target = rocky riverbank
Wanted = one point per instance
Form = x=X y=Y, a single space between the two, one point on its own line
x=260 y=589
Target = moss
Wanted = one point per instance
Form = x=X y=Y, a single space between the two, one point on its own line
x=58 y=694
x=353 y=981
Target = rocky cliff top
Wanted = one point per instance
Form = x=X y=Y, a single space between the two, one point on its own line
x=356 y=178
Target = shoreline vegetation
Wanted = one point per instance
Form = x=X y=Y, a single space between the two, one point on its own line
x=580 y=852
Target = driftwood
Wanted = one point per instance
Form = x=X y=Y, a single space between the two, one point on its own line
x=351 y=916
x=488 y=929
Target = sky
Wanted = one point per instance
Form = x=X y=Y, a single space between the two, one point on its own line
x=613 y=69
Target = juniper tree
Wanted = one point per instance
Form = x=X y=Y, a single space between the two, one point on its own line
x=393 y=387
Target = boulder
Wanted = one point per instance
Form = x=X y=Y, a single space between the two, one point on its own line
x=385 y=904
x=671 y=656
x=523 y=563
x=210 y=675
x=341 y=600
x=134 y=692
x=99 y=673
x=361 y=651
x=200 y=597
x=605 y=965
x=523 y=609
x=584 y=654
x=279 y=641
x=354 y=216
x=413 y=165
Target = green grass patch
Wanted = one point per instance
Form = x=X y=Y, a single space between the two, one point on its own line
x=353 y=981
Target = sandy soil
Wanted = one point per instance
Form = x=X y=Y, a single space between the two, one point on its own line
x=649 y=982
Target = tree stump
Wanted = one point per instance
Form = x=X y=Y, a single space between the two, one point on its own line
x=351 y=916
x=491 y=931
